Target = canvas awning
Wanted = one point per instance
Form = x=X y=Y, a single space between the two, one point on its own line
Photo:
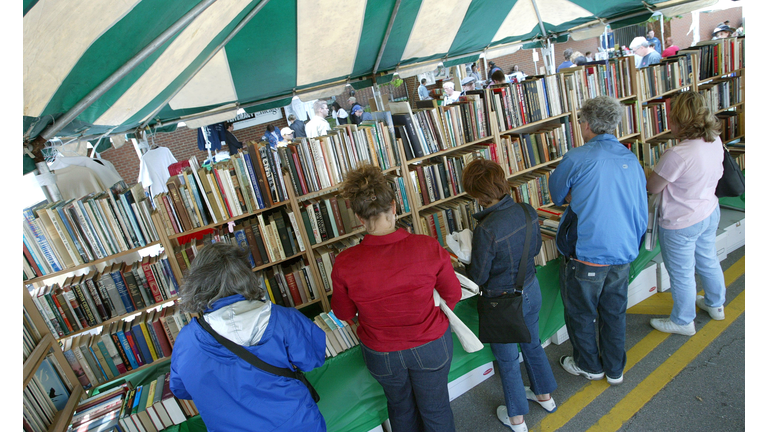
x=259 y=53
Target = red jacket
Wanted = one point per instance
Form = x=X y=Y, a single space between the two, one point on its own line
x=388 y=281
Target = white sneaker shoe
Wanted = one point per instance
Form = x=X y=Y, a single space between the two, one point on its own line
x=501 y=413
x=548 y=405
x=717 y=313
x=615 y=381
x=569 y=365
x=667 y=326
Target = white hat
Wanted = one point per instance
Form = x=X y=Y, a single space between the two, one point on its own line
x=286 y=131
x=636 y=42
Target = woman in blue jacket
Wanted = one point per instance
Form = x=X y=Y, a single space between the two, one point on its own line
x=497 y=246
x=230 y=394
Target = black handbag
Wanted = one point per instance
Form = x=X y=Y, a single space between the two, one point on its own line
x=257 y=362
x=501 y=318
x=731 y=184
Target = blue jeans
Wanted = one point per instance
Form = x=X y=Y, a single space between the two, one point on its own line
x=596 y=293
x=415 y=382
x=536 y=364
x=687 y=251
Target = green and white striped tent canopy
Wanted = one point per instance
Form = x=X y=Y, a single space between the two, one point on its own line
x=257 y=54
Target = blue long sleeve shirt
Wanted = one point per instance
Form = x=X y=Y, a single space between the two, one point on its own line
x=608 y=214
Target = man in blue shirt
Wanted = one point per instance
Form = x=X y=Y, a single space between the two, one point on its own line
x=567 y=63
x=642 y=48
x=423 y=92
x=361 y=114
x=599 y=236
x=654 y=41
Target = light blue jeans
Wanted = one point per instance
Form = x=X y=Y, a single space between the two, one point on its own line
x=687 y=251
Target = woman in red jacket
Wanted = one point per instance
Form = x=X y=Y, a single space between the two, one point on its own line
x=387 y=281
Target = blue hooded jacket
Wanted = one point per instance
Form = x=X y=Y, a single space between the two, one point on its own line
x=232 y=395
x=607 y=218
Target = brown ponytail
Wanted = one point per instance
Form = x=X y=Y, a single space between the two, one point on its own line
x=368 y=191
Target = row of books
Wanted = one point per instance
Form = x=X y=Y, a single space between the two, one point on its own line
x=290 y=284
x=740 y=159
x=440 y=221
x=532 y=188
x=535 y=99
x=72 y=232
x=549 y=221
x=671 y=73
x=612 y=77
x=628 y=124
x=520 y=152
x=147 y=408
x=720 y=56
x=124 y=346
x=31 y=335
x=653 y=150
x=44 y=395
x=339 y=335
x=732 y=125
x=85 y=301
x=655 y=116
x=326 y=257
x=323 y=162
x=722 y=94
x=440 y=180
x=328 y=218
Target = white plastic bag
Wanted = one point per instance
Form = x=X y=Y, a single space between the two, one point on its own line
x=468 y=340
x=460 y=243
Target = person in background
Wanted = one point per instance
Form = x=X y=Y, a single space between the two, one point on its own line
x=516 y=74
x=287 y=133
x=272 y=135
x=451 y=95
x=641 y=48
x=650 y=37
x=567 y=56
x=339 y=114
x=723 y=30
x=580 y=60
x=352 y=101
x=232 y=142
x=575 y=55
x=387 y=281
x=590 y=57
x=598 y=246
x=423 y=92
x=297 y=126
x=492 y=68
x=497 y=246
x=354 y=105
x=361 y=114
x=498 y=77
x=318 y=125
x=686 y=176
x=468 y=83
x=230 y=393
x=671 y=49
x=474 y=73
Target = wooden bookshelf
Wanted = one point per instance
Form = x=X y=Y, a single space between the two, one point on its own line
x=62 y=418
x=450 y=150
x=89 y=264
x=535 y=123
x=36 y=358
x=630 y=136
x=534 y=168
x=226 y=221
x=359 y=230
x=118 y=318
x=659 y=135
x=271 y=264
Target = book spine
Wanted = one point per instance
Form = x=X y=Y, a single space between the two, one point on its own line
x=152 y=282
x=122 y=290
x=242 y=241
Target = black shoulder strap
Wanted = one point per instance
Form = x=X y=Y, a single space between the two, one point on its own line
x=521 y=271
x=245 y=354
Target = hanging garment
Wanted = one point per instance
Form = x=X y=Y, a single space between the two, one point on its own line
x=75 y=181
x=102 y=168
x=215 y=134
x=153 y=172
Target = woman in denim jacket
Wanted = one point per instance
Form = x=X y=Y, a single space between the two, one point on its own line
x=497 y=244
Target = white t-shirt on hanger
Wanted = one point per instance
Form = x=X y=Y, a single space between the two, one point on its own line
x=153 y=172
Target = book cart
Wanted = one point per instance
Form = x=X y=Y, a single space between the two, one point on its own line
x=528 y=139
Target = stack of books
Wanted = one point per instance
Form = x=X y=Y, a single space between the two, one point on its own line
x=100 y=412
x=722 y=94
x=670 y=74
x=46 y=394
x=456 y=215
x=328 y=218
x=124 y=346
x=717 y=57
x=290 y=285
x=549 y=221
x=85 y=301
x=654 y=149
x=339 y=335
x=628 y=124
x=152 y=407
x=326 y=257
x=70 y=233
x=732 y=125
x=439 y=178
x=536 y=98
x=532 y=188
x=656 y=117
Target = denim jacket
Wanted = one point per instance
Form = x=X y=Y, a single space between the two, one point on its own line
x=497 y=244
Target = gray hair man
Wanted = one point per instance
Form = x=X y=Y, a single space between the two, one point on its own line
x=598 y=246
x=567 y=56
x=318 y=125
x=641 y=47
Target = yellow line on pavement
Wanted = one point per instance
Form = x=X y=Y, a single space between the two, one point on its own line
x=650 y=386
x=568 y=409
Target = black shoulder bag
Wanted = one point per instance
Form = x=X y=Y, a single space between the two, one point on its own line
x=501 y=318
x=257 y=362
x=731 y=184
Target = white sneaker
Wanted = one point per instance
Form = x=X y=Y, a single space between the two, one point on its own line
x=501 y=413
x=569 y=365
x=667 y=326
x=615 y=381
x=548 y=405
x=717 y=313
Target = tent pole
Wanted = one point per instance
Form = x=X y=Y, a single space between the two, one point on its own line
x=119 y=74
x=231 y=35
x=386 y=37
x=538 y=16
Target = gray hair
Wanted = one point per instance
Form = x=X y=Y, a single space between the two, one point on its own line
x=219 y=270
x=638 y=42
x=291 y=118
x=567 y=53
x=352 y=99
x=602 y=113
x=319 y=104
